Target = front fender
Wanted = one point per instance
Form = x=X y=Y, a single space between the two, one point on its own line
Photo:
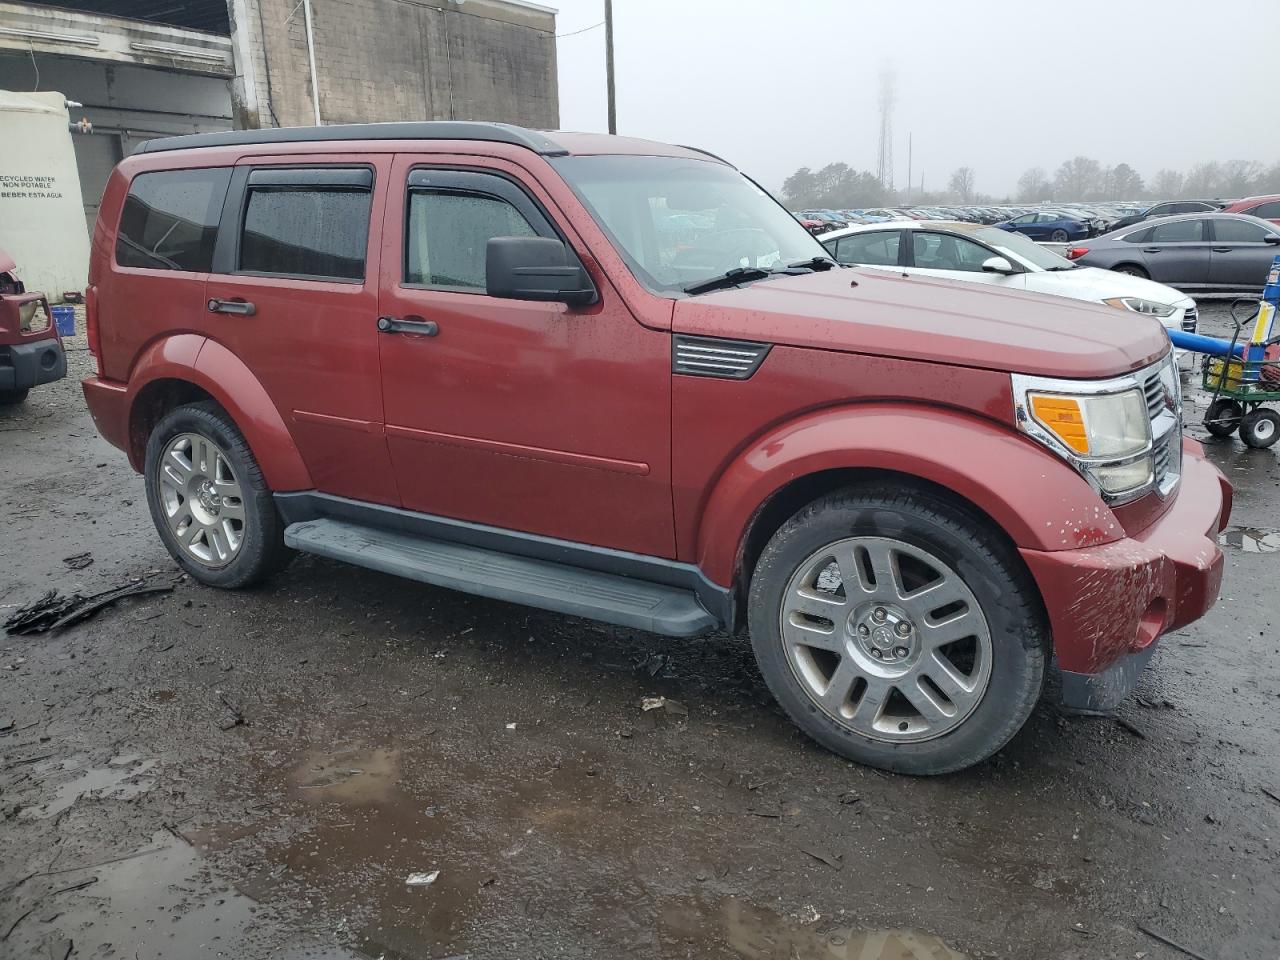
x=1036 y=498
x=220 y=373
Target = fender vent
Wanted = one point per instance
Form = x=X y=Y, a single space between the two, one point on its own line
x=713 y=357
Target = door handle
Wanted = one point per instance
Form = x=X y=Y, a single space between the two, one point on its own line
x=1152 y=249
x=241 y=308
x=409 y=324
x=1223 y=249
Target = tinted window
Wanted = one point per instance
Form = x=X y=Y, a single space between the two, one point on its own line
x=310 y=231
x=1178 y=230
x=1048 y=217
x=1267 y=211
x=1237 y=231
x=449 y=234
x=170 y=219
x=940 y=251
x=880 y=247
x=1138 y=236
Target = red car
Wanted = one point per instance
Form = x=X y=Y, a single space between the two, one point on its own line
x=31 y=351
x=1268 y=208
x=465 y=354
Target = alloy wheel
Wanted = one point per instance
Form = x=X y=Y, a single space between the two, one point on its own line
x=886 y=639
x=201 y=499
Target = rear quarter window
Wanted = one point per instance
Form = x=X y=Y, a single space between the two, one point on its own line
x=170 y=219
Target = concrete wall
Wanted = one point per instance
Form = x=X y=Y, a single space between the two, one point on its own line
x=402 y=60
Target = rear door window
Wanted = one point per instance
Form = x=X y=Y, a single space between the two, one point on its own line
x=1178 y=231
x=879 y=248
x=1237 y=231
x=1267 y=211
x=170 y=219
x=308 y=224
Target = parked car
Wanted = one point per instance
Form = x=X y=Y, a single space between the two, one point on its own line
x=462 y=353
x=31 y=351
x=983 y=254
x=1227 y=252
x=1169 y=208
x=1265 y=208
x=1053 y=225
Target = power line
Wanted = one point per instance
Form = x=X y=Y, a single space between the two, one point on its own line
x=574 y=33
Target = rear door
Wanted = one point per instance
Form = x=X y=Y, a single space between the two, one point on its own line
x=532 y=417
x=293 y=293
x=877 y=248
x=1241 y=255
x=1177 y=252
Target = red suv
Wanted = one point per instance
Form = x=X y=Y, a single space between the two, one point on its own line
x=1268 y=208
x=31 y=351
x=478 y=356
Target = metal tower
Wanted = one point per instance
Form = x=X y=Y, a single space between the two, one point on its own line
x=884 y=169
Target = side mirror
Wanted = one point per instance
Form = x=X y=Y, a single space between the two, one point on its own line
x=1271 y=238
x=998 y=265
x=536 y=268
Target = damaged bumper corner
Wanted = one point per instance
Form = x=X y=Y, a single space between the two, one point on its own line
x=1109 y=604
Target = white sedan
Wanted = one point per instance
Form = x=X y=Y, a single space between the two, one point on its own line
x=982 y=254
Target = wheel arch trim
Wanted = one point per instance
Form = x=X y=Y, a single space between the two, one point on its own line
x=1036 y=499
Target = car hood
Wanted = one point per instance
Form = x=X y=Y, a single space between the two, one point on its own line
x=884 y=313
x=1093 y=283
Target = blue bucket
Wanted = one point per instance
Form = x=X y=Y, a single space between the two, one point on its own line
x=64 y=318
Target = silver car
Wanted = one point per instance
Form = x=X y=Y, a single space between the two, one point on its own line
x=1227 y=252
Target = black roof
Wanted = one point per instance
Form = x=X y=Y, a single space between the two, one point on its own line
x=408 y=130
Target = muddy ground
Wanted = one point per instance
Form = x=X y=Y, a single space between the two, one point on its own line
x=208 y=774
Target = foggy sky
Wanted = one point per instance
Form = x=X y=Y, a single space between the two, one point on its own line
x=999 y=85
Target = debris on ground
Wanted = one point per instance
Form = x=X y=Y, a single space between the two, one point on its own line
x=421 y=879
x=1155 y=935
x=78 y=561
x=233 y=717
x=673 y=707
x=1133 y=728
x=822 y=855
x=54 y=610
x=1274 y=795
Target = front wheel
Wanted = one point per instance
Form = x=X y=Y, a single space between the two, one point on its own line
x=209 y=500
x=1261 y=428
x=896 y=630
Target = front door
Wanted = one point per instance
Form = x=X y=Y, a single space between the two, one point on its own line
x=293 y=293
x=528 y=416
x=1241 y=254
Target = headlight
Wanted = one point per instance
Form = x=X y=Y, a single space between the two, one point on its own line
x=1103 y=429
x=1138 y=305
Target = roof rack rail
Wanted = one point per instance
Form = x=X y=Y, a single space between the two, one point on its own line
x=400 y=130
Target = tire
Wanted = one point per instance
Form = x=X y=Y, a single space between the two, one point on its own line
x=11 y=398
x=1261 y=428
x=1223 y=417
x=1059 y=236
x=209 y=500
x=1000 y=668
x=1132 y=270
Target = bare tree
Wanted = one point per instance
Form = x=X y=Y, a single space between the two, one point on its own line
x=961 y=184
x=1034 y=186
x=1167 y=185
x=1123 y=183
x=1079 y=178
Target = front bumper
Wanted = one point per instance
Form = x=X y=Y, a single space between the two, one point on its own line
x=26 y=365
x=1109 y=604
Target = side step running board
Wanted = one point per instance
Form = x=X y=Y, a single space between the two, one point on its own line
x=501 y=576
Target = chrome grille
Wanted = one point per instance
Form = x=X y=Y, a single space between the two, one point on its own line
x=1190 y=320
x=1153 y=390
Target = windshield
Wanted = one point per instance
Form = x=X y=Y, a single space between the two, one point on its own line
x=678 y=221
x=1023 y=248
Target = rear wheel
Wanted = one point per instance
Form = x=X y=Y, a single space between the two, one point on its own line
x=1132 y=270
x=209 y=500
x=10 y=398
x=1223 y=417
x=1261 y=428
x=897 y=631
x=1058 y=236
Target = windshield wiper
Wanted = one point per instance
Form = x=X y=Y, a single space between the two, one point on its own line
x=814 y=263
x=730 y=278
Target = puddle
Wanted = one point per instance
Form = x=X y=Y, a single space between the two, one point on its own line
x=734 y=928
x=1251 y=539
x=158 y=904
x=122 y=779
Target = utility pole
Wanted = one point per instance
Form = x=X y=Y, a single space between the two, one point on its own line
x=908 y=165
x=608 y=64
